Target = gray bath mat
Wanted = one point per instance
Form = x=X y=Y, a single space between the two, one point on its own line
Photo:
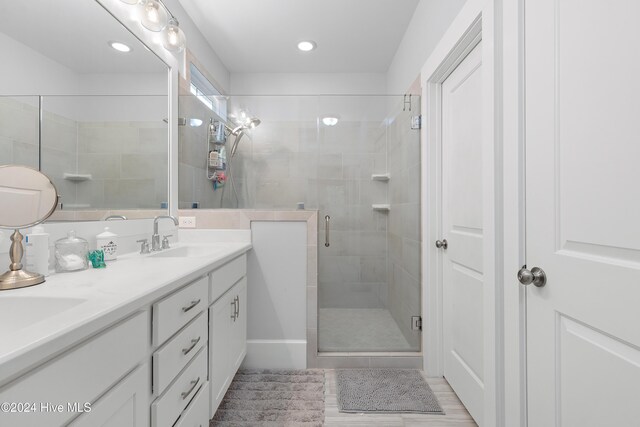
x=273 y=398
x=385 y=391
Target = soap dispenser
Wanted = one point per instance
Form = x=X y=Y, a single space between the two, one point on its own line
x=108 y=242
x=37 y=251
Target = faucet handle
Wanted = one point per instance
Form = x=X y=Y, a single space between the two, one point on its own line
x=144 y=246
x=165 y=241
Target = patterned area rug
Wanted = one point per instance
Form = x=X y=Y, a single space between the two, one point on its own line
x=273 y=398
x=385 y=391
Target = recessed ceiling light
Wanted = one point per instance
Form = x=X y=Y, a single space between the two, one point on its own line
x=307 y=45
x=330 y=121
x=120 y=47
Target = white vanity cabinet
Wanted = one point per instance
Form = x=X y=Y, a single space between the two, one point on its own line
x=125 y=405
x=180 y=360
x=166 y=363
x=227 y=327
x=103 y=369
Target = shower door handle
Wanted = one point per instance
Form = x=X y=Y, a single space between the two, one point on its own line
x=327 y=222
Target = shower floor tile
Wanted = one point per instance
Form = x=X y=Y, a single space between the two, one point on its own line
x=359 y=330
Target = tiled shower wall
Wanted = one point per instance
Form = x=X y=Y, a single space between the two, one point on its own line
x=127 y=160
x=192 y=181
x=329 y=169
x=403 y=266
x=373 y=257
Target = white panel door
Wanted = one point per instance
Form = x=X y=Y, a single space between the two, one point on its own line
x=462 y=228
x=583 y=212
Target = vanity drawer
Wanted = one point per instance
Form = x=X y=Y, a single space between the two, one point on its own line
x=197 y=414
x=166 y=409
x=80 y=375
x=176 y=310
x=169 y=360
x=226 y=276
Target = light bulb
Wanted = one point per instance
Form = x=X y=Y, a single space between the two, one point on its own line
x=307 y=45
x=154 y=16
x=173 y=38
x=330 y=121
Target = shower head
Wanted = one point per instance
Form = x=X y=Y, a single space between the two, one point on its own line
x=247 y=124
x=239 y=132
x=253 y=122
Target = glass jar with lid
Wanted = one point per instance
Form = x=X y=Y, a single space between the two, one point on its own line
x=71 y=253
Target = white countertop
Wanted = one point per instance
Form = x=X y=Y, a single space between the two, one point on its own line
x=128 y=284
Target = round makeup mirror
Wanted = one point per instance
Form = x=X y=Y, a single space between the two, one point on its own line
x=27 y=198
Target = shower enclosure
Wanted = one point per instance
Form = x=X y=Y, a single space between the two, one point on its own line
x=354 y=159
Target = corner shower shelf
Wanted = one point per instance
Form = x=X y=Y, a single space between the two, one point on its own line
x=380 y=177
x=381 y=208
x=77 y=177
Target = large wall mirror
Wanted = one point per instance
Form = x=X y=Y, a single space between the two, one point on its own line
x=86 y=102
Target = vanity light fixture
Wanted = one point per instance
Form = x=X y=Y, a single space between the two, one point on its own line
x=120 y=47
x=330 y=121
x=156 y=17
x=173 y=38
x=307 y=45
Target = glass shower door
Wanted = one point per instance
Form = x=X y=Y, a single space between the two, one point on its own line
x=368 y=197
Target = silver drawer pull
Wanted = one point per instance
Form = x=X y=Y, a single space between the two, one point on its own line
x=194 y=342
x=193 y=304
x=194 y=383
x=235 y=310
x=237 y=307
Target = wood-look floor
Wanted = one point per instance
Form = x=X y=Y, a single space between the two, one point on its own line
x=456 y=414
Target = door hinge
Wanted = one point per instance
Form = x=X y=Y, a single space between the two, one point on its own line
x=416 y=122
x=416 y=323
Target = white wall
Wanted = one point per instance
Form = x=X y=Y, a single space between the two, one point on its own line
x=21 y=72
x=308 y=83
x=277 y=296
x=430 y=20
x=200 y=48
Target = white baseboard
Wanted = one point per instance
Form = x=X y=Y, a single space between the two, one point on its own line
x=276 y=354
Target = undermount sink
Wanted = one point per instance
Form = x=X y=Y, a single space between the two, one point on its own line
x=187 y=251
x=20 y=312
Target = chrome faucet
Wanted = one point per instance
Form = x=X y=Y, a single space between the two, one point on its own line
x=155 y=239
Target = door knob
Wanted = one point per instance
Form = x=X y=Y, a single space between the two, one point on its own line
x=536 y=276
x=442 y=244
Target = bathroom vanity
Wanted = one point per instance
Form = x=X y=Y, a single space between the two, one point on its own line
x=153 y=340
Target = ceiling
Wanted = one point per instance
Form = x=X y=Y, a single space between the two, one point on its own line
x=75 y=34
x=353 y=36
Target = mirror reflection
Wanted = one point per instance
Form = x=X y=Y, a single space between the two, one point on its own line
x=84 y=101
x=30 y=194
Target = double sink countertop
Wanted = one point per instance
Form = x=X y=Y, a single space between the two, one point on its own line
x=42 y=321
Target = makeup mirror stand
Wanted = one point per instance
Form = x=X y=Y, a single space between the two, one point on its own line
x=16 y=277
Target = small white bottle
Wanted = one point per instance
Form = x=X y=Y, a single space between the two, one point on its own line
x=108 y=242
x=37 y=251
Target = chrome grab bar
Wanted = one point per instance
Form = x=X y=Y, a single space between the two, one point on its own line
x=327 y=222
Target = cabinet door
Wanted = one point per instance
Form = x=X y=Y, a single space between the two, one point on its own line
x=220 y=319
x=239 y=326
x=125 y=405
